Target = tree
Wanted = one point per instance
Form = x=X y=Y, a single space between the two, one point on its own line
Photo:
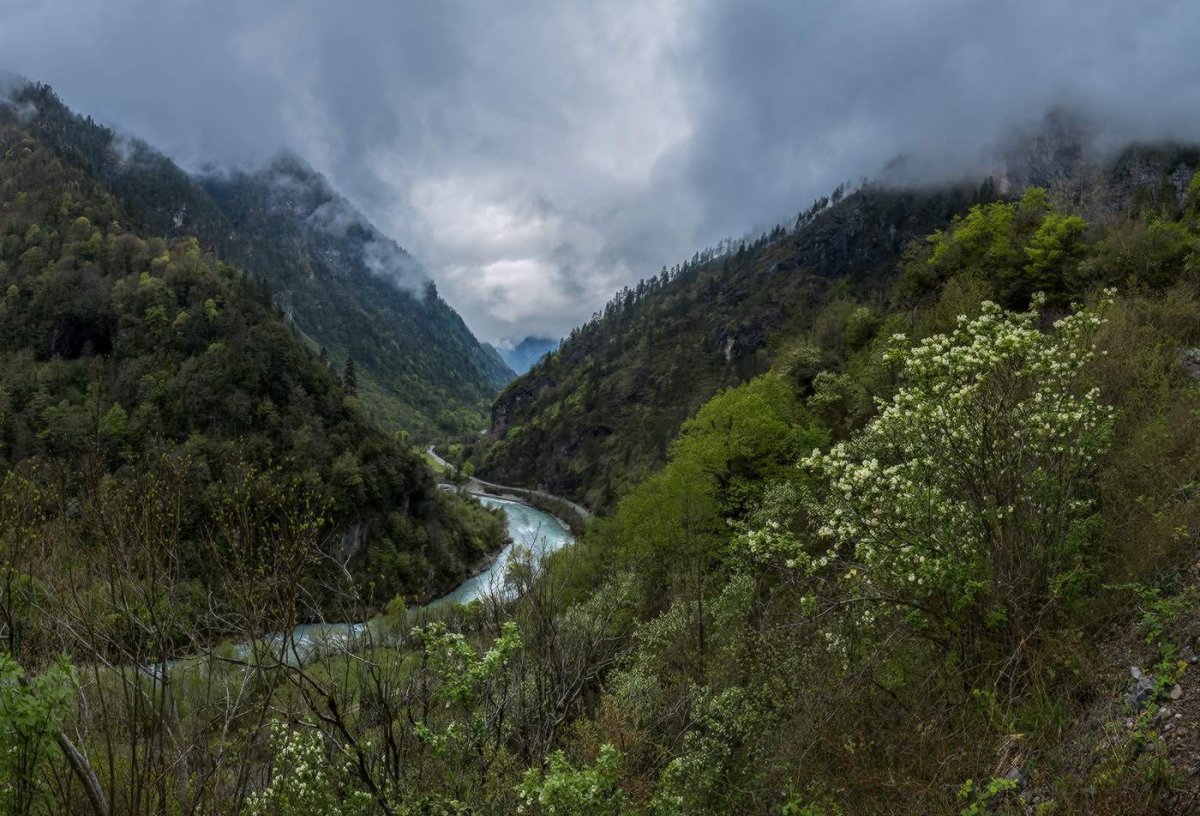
x=350 y=377
x=742 y=438
x=33 y=711
x=1053 y=252
x=1018 y=247
x=966 y=502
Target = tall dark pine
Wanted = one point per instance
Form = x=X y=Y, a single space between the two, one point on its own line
x=350 y=378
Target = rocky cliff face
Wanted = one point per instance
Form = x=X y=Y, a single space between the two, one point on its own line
x=1067 y=156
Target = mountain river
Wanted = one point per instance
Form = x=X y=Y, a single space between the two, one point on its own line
x=527 y=527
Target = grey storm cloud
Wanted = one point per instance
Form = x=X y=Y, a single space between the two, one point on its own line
x=537 y=156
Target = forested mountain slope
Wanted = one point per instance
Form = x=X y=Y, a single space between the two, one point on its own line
x=596 y=416
x=129 y=361
x=941 y=557
x=345 y=286
x=358 y=293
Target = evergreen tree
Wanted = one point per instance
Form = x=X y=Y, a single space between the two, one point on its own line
x=350 y=378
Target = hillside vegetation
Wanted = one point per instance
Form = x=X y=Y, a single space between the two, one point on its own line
x=928 y=546
x=357 y=294
x=913 y=578
x=343 y=285
x=595 y=417
x=123 y=357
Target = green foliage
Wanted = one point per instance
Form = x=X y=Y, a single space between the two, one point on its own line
x=800 y=364
x=1053 y=253
x=1017 y=247
x=861 y=325
x=743 y=437
x=118 y=351
x=459 y=672
x=32 y=712
x=981 y=241
x=564 y=790
x=843 y=661
x=1146 y=253
x=1191 y=199
x=736 y=445
x=709 y=772
x=1023 y=247
x=983 y=800
x=796 y=807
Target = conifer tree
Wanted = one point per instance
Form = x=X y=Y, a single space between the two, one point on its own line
x=350 y=377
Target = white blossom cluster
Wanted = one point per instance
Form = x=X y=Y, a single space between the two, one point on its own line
x=304 y=782
x=984 y=449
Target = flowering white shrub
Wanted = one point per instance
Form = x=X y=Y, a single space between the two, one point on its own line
x=304 y=781
x=966 y=499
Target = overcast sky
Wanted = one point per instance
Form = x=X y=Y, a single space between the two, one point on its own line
x=538 y=156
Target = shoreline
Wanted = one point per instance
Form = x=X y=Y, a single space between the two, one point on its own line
x=486 y=562
x=512 y=497
x=525 y=495
x=327 y=628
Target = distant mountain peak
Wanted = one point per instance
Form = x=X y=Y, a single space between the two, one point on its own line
x=524 y=355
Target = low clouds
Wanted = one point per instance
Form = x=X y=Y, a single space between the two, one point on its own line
x=536 y=157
